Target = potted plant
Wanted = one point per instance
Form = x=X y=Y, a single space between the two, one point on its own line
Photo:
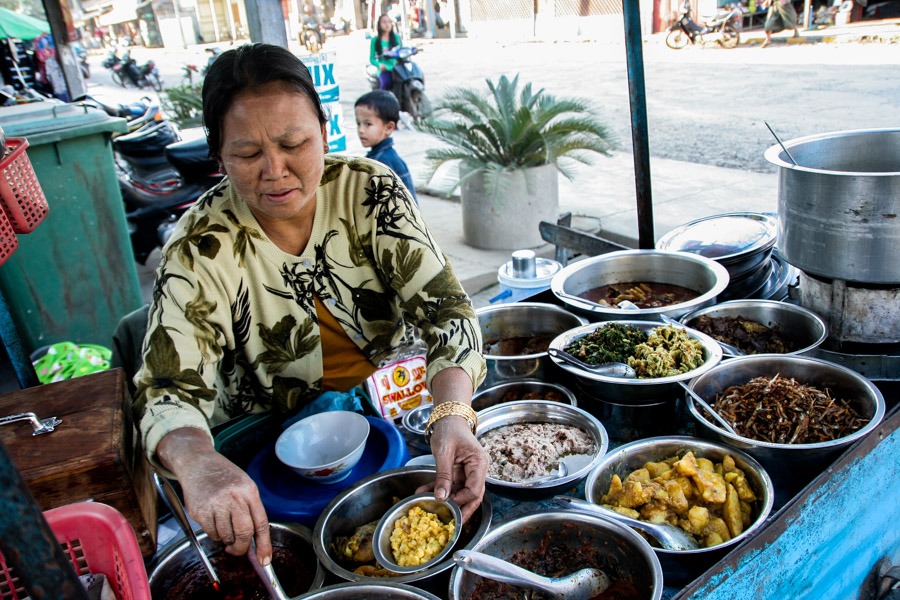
x=511 y=144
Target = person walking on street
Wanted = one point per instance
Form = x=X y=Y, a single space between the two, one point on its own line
x=781 y=16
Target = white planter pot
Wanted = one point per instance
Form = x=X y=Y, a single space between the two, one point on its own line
x=506 y=214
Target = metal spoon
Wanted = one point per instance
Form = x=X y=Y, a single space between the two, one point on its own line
x=719 y=418
x=668 y=536
x=561 y=471
x=580 y=585
x=170 y=497
x=613 y=369
x=783 y=147
x=267 y=575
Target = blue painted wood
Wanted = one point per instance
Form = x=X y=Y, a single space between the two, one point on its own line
x=825 y=543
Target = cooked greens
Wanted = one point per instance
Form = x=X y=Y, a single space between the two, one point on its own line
x=614 y=342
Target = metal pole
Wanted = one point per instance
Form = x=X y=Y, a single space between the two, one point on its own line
x=15 y=349
x=28 y=544
x=634 y=59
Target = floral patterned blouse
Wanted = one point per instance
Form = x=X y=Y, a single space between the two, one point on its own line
x=233 y=328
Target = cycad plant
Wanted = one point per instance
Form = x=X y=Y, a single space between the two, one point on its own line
x=510 y=129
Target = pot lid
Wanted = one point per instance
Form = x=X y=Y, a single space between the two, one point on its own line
x=725 y=238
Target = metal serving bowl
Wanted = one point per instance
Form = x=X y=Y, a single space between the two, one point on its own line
x=626 y=554
x=543 y=411
x=371 y=499
x=682 y=566
x=521 y=320
x=369 y=591
x=791 y=466
x=179 y=560
x=634 y=391
x=446 y=511
x=800 y=325
x=416 y=419
x=494 y=395
x=703 y=275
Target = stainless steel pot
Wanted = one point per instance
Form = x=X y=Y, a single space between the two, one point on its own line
x=369 y=591
x=491 y=396
x=522 y=320
x=179 y=560
x=626 y=553
x=698 y=273
x=838 y=208
x=368 y=501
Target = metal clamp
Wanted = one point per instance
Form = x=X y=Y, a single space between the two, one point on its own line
x=40 y=425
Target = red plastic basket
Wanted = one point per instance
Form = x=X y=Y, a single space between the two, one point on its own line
x=97 y=539
x=21 y=196
x=8 y=240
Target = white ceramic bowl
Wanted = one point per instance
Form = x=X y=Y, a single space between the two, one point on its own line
x=324 y=447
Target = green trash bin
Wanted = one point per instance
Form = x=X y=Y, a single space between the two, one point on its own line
x=74 y=276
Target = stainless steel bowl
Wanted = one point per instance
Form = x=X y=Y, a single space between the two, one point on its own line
x=521 y=320
x=791 y=466
x=682 y=566
x=698 y=273
x=543 y=411
x=368 y=501
x=416 y=419
x=179 y=560
x=446 y=511
x=804 y=328
x=626 y=554
x=488 y=397
x=369 y=591
x=635 y=391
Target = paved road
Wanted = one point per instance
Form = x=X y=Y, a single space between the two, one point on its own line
x=705 y=105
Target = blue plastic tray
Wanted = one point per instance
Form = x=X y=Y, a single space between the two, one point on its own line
x=290 y=498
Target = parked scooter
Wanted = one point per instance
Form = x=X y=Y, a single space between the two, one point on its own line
x=724 y=29
x=115 y=66
x=138 y=114
x=408 y=81
x=141 y=76
x=160 y=177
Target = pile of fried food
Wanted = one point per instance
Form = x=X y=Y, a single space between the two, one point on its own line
x=711 y=501
x=750 y=336
x=356 y=552
x=667 y=350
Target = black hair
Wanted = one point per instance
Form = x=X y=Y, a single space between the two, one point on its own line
x=383 y=103
x=247 y=67
x=393 y=36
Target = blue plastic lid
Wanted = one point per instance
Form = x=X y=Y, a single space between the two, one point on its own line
x=290 y=498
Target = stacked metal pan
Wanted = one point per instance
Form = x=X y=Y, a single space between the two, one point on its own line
x=743 y=243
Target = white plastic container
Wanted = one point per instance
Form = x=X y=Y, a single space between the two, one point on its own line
x=524 y=276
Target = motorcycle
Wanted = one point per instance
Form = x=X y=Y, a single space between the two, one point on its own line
x=312 y=37
x=724 y=29
x=81 y=55
x=145 y=75
x=138 y=114
x=160 y=177
x=114 y=63
x=408 y=81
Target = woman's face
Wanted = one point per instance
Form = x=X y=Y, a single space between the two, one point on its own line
x=384 y=24
x=273 y=150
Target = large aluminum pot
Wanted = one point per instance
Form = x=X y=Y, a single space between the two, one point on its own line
x=838 y=208
x=368 y=501
x=625 y=553
x=698 y=273
x=170 y=571
x=791 y=466
x=681 y=566
x=520 y=320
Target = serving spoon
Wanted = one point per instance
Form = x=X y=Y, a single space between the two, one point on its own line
x=719 y=418
x=267 y=575
x=668 y=536
x=612 y=369
x=580 y=585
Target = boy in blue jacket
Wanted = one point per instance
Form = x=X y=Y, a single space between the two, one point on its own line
x=377 y=114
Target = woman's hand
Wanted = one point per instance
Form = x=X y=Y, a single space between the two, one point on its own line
x=217 y=493
x=461 y=463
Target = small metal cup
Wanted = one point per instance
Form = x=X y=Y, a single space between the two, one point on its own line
x=524 y=264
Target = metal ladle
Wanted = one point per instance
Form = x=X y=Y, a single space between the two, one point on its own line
x=580 y=585
x=267 y=575
x=719 y=418
x=783 y=147
x=612 y=369
x=668 y=536
x=170 y=497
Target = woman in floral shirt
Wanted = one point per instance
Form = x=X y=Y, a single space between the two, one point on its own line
x=298 y=274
